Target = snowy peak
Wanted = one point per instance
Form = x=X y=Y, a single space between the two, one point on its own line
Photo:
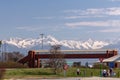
x=89 y=44
x=49 y=40
x=94 y=44
x=20 y=43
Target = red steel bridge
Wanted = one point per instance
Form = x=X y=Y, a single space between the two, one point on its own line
x=34 y=56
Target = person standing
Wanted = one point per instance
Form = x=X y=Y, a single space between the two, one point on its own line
x=111 y=72
x=78 y=71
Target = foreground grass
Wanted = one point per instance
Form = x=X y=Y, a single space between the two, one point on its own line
x=47 y=73
x=34 y=72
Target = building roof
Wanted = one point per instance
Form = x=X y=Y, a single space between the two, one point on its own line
x=118 y=61
x=115 y=58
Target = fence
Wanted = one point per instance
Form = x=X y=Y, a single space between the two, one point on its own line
x=87 y=73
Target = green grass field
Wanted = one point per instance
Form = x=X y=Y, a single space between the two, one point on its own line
x=47 y=73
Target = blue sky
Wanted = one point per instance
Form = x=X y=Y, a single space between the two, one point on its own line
x=63 y=19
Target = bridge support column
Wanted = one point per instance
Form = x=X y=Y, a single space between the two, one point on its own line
x=114 y=52
x=107 y=52
x=31 y=62
x=38 y=63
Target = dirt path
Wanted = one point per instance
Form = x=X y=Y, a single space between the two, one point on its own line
x=72 y=78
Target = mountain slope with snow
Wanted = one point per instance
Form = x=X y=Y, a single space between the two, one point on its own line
x=28 y=44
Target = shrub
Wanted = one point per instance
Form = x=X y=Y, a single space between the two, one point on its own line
x=11 y=64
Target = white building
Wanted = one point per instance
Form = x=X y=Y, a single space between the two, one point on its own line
x=113 y=62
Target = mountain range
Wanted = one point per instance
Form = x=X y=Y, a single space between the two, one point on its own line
x=24 y=45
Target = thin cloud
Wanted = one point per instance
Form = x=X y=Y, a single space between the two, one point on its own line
x=44 y=17
x=109 y=30
x=114 y=0
x=28 y=28
x=77 y=17
x=113 y=11
x=93 y=12
x=109 y=23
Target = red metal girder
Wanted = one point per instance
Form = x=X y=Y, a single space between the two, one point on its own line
x=43 y=56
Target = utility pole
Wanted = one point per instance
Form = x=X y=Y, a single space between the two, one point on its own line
x=42 y=39
x=5 y=53
x=1 y=50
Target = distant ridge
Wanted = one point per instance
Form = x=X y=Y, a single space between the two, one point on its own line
x=23 y=45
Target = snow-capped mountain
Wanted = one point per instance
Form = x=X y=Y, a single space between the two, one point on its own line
x=19 y=44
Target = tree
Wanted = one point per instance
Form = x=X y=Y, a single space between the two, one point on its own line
x=56 y=59
x=14 y=56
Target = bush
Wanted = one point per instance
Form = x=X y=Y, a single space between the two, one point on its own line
x=98 y=66
x=11 y=64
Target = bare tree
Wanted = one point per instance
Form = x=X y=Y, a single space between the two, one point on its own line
x=56 y=59
x=0 y=50
x=14 y=56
